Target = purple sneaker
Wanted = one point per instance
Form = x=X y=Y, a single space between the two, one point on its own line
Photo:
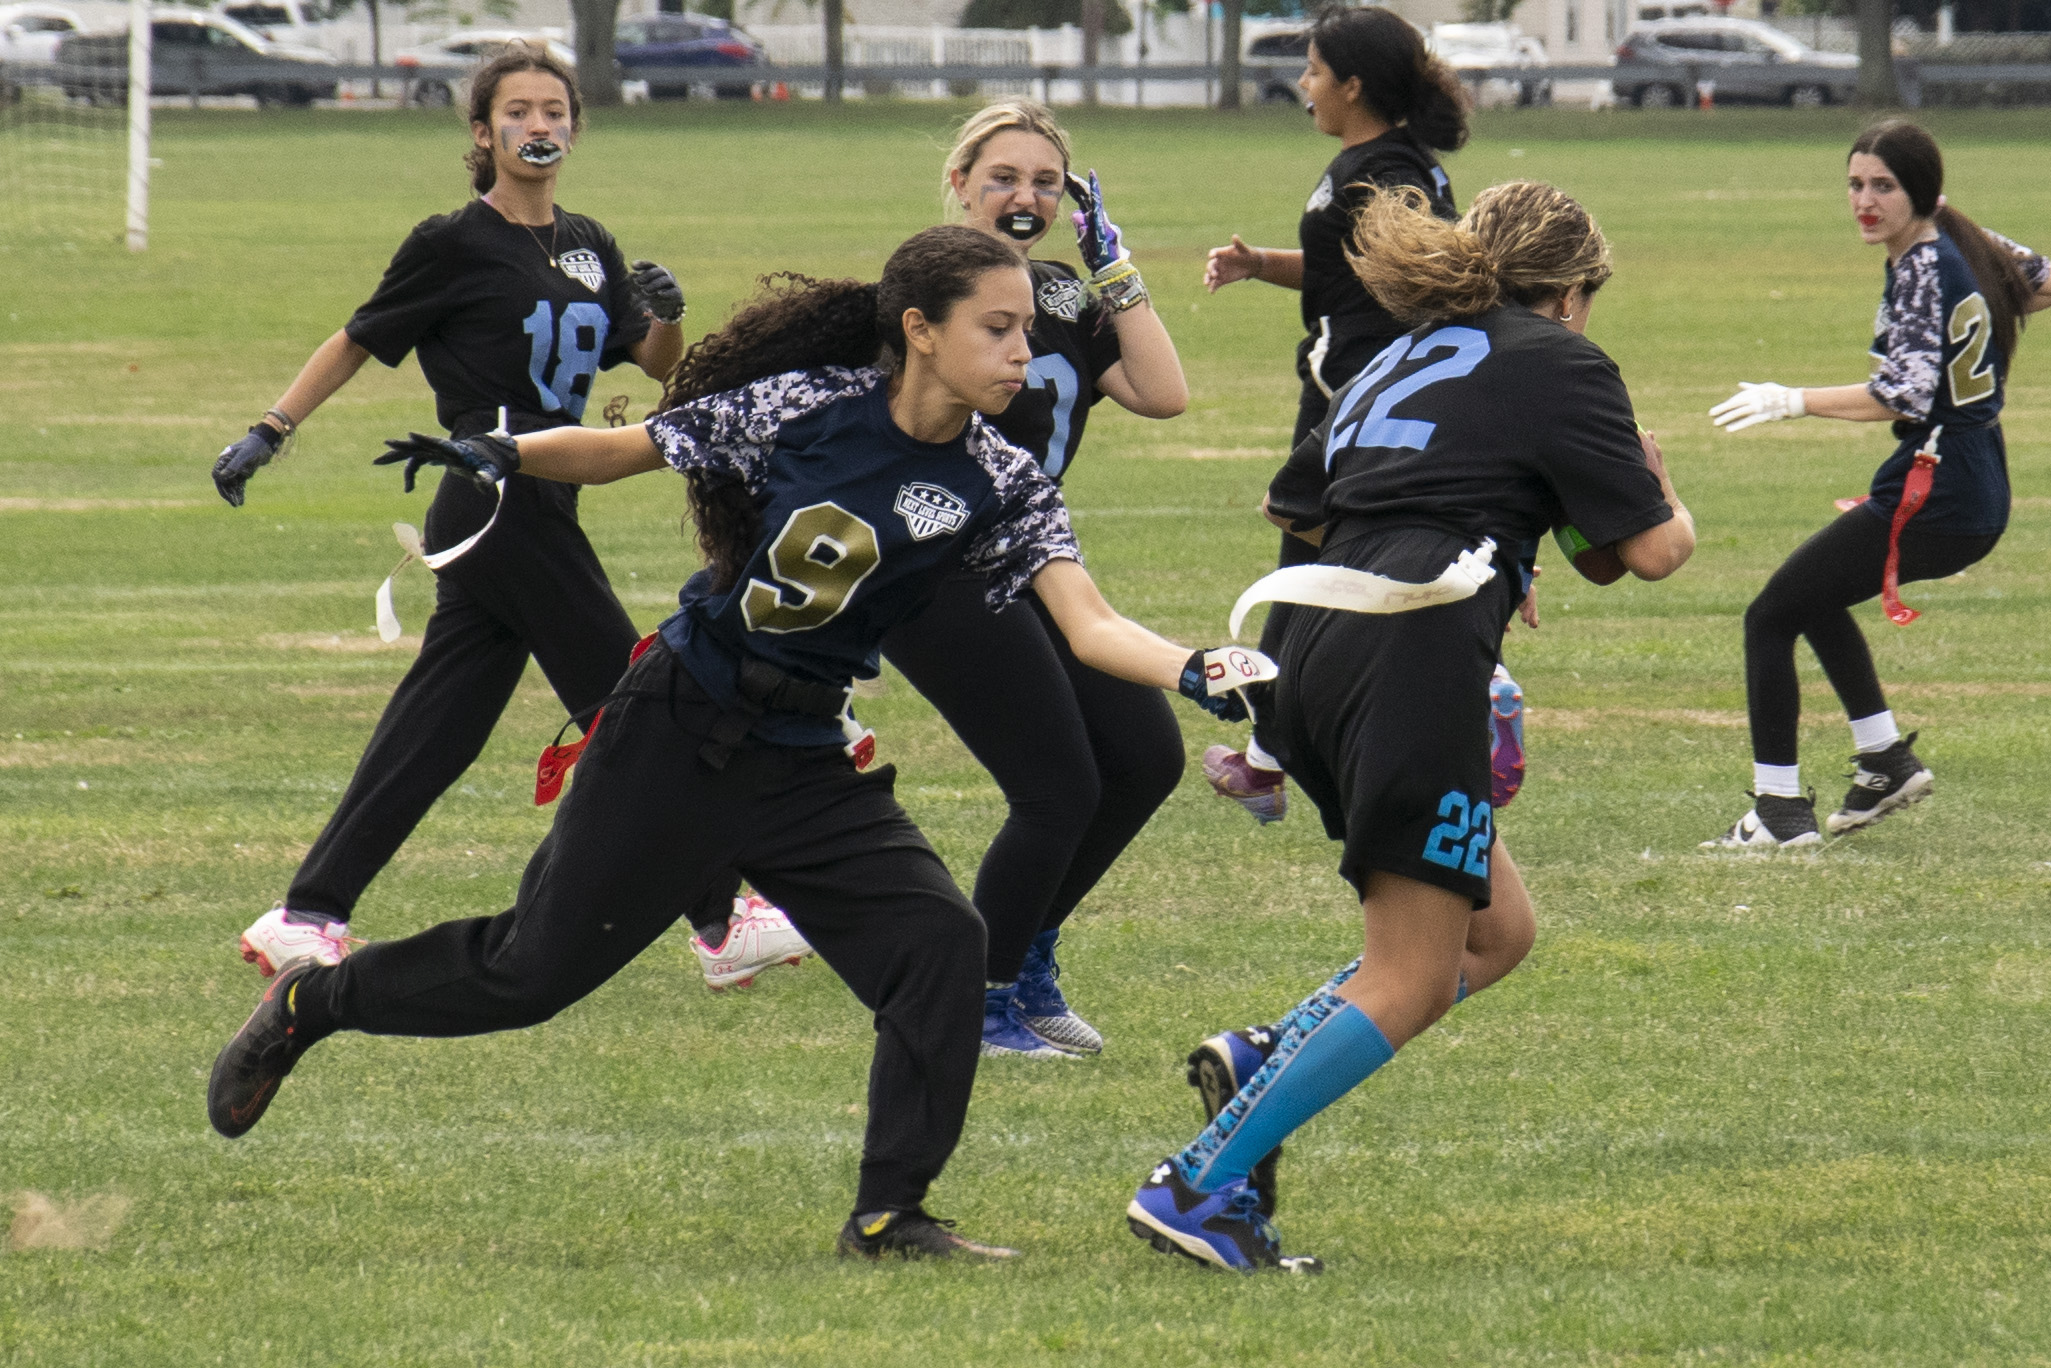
x=1505 y=738
x=1259 y=791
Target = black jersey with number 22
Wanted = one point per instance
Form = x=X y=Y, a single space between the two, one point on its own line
x=504 y=315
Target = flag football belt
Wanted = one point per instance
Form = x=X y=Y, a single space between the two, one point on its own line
x=1915 y=492
x=409 y=541
x=763 y=688
x=1360 y=591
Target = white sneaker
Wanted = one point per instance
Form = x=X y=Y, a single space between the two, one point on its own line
x=273 y=944
x=1774 y=823
x=758 y=937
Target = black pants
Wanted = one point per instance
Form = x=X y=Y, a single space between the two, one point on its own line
x=533 y=586
x=1083 y=759
x=646 y=829
x=1811 y=596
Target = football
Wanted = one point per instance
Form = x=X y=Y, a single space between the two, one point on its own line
x=1600 y=564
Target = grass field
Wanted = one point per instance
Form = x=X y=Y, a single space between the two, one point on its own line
x=1733 y=1111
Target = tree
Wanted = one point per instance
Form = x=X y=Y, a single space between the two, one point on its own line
x=1876 y=54
x=1228 y=60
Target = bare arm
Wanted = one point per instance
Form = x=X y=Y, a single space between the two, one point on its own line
x=1658 y=551
x=659 y=350
x=592 y=456
x=1277 y=265
x=2042 y=298
x=1147 y=377
x=1854 y=403
x=333 y=364
x=1101 y=638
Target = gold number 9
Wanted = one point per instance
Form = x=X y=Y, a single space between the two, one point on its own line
x=822 y=555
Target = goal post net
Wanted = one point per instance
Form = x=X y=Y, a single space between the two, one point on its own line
x=74 y=133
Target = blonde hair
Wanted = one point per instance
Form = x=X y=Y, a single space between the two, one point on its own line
x=1004 y=116
x=1524 y=241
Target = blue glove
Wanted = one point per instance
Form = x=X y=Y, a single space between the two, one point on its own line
x=484 y=460
x=242 y=458
x=1096 y=237
x=1196 y=687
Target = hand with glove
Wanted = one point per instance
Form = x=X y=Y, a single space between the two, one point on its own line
x=484 y=459
x=1213 y=679
x=661 y=296
x=1114 y=280
x=1756 y=404
x=242 y=458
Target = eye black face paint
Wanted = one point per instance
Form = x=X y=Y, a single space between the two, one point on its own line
x=1024 y=227
x=540 y=152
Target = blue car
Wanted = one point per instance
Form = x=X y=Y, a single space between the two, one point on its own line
x=673 y=52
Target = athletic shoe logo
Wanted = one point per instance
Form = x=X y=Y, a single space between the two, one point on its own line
x=1319 y=197
x=583 y=266
x=1062 y=299
x=928 y=510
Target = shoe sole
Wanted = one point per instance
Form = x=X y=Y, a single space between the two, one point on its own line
x=721 y=985
x=1908 y=795
x=1215 y=1084
x=1068 y=1047
x=989 y=1051
x=252 y=955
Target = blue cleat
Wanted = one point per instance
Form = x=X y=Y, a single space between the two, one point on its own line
x=1218 y=1069
x=1505 y=738
x=1005 y=1031
x=1222 y=1229
x=1044 y=1010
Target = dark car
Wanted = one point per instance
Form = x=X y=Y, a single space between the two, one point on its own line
x=1748 y=61
x=197 y=54
x=1279 y=87
x=673 y=52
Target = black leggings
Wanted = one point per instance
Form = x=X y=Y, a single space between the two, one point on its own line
x=1811 y=596
x=533 y=586
x=648 y=829
x=1083 y=759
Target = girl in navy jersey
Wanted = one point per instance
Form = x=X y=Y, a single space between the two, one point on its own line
x=513 y=305
x=1950 y=316
x=834 y=490
x=1369 y=82
x=1494 y=421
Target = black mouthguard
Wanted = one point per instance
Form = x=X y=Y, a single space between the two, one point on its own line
x=1024 y=227
x=540 y=152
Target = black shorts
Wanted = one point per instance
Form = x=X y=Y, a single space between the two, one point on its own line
x=1383 y=718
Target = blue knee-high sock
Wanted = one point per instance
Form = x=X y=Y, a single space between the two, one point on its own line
x=1328 y=1048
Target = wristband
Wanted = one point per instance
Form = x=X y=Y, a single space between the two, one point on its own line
x=1118 y=287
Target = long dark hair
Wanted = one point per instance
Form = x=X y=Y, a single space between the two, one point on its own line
x=484 y=88
x=1400 y=80
x=1912 y=155
x=796 y=322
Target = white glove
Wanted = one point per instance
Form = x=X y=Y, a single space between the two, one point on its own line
x=1756 y=404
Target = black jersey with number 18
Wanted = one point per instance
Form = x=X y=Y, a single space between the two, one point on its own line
x=504 y=316
x=1502 y=426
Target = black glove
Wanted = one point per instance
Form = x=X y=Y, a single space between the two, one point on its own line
x=661 y=296
x=241 y=459
x=1227 y=707
x=485 y=459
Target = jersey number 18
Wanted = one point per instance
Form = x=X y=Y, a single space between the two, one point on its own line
x=575 y=348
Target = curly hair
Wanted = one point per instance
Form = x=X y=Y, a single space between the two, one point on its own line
x=1524 y=241
x=484 y=88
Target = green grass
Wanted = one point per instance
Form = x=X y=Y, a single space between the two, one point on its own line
x=1732 y=1111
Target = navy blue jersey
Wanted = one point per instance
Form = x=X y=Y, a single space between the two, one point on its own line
x=1073 y=345
x=502 y=315
x=1502 y=426
x=1935 y=362
x=860 y=522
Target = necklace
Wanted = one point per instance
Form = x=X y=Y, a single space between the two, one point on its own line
x=554 y=226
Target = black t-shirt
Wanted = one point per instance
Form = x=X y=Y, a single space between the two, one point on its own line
x=1332 y=295
x=1502 y=426
x=496 y=324
x=1073 y=345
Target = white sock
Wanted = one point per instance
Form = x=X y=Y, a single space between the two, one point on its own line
x=1875 y=733
x=1782 y=781
x=1259 y=758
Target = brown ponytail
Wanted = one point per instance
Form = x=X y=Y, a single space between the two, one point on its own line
x=1524 y=241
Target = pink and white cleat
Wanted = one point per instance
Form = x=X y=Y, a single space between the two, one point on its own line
x=1260 y=791
x=273 y=943
x=758 y=937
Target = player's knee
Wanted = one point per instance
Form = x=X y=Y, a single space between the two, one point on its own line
x=1769 y=615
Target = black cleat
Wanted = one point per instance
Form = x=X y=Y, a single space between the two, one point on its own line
x=252 y=1065
x=1774 y=823
x=910 y=1235
x=1886 y=781
x=1219 y=1068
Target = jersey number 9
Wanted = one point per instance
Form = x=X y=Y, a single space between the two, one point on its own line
x=822 y=556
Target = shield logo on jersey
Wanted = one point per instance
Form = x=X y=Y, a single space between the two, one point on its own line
x=928 y=510
x=1062 y=299
x=582 y=265
x=1319 y=197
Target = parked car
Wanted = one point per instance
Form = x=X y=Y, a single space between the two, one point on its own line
x=31 y=33
x=1469 y=48
x=438 y=73
x=1280 y=87
x=673 y=52
x=1748 y=61
x=195 y=53
x=282 y=21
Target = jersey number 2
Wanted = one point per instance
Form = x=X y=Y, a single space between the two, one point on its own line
x=575 y=358
x=822 y=556
x=1972 y=379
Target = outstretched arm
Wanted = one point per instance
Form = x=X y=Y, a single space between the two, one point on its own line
x=1276 y=265
x=1100 y=637
x=591 y=456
